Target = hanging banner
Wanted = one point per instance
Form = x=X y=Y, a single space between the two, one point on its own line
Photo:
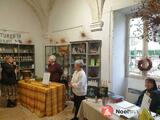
x=12 y=37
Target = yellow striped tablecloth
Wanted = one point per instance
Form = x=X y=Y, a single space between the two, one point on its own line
x=42 y=100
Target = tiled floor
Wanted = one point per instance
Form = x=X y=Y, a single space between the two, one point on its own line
x=21 y=113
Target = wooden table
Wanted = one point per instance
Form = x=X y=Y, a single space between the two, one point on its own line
x=42 y=100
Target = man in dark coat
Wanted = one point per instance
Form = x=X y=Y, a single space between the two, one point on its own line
x=54 y=69
x=8 y=81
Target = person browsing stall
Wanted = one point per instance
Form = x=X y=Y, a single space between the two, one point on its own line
x=79 y=85
x=54 y=69
x=153 y=92
x=9 y=81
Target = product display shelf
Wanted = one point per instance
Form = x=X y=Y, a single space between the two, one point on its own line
x=23 y=55
x=78 y=50
x=90 y=52
x=62 y=56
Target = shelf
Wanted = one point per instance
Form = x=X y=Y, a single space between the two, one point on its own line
x=27 y=53
x=94 y=54
x=63 y=66
x=94 y=66
x=27 y=61
x=94 y=78
x=20 y=52
x=74 y=63
x=8 y=53
x=78 y=53
x=92 y=59
x=16 y=53
x=92 y=85
x=63 y=60
x=19 y=61
x=27 y=69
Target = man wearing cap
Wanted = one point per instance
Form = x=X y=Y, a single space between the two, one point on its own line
x=54 y=69
x=79 y=85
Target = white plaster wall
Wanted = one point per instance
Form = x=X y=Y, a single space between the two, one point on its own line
x=137 y=84
x=71 y=13
x=17 y=15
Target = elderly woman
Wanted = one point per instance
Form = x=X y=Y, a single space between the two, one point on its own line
x=152 y=91
x=9 y=81
x=79 y=85
x=55 y=69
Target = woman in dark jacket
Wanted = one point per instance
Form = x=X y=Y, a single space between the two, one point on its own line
x=8 y=81
x=152 y=91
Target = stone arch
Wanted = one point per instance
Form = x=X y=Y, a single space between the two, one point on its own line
x=42 y=9
x=96 y=7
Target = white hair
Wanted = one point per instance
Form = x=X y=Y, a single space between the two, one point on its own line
x=79 y=62
x=52 y=57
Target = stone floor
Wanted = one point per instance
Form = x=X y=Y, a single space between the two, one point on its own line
x=21 y=113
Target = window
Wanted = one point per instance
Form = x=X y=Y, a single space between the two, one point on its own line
x=140 y=48
x=154 y=54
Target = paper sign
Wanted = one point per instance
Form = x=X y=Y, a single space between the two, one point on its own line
x=46 y=78
x=145 y=102
x=125 y=104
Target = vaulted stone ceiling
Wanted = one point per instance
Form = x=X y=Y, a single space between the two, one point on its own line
x=42 y=9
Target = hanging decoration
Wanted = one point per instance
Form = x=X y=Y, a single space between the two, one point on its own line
x=29 y=41
x=149 y=11
x=144 y=64
x=83 y=34
x=50 y=40
x=63 y=50
x=63 y=41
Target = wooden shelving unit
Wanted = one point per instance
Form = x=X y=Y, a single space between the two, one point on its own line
x=23 y=54
x=90 y=52
x=62 y=56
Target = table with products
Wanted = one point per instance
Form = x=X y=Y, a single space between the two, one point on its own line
x=42 y=100
x=90 y=110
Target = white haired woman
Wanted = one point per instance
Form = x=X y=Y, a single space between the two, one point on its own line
x=54 y=69
x=79 y=85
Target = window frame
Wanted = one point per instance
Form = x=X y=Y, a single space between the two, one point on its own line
x=144 y=49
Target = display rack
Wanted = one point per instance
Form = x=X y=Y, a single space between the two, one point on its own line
x=90 y=52
x=23 y=54
x=62 y=56
x=78 y=51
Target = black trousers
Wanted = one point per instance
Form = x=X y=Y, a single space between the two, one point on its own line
x=77 y=103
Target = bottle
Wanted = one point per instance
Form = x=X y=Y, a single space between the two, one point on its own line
x=96 y=99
